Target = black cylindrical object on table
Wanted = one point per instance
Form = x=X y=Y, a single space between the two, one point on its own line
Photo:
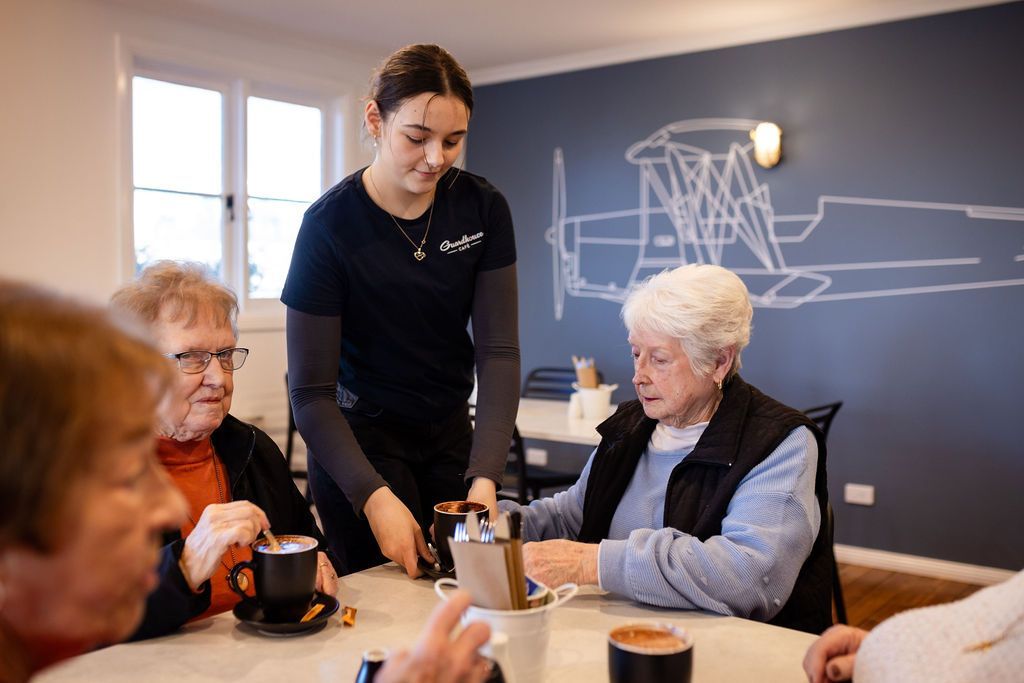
x=373 y=660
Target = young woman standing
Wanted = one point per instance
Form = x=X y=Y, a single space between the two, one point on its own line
x=390 y=267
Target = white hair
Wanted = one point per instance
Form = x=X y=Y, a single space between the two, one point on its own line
x=707 y=308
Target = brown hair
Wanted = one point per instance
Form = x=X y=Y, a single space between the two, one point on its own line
x=184 y=289
x=417 y=69
x=71 y=377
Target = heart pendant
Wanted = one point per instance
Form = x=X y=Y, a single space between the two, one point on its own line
x=419 y=255
x=243 y=582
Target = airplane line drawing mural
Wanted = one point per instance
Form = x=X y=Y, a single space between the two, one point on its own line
x=701 y=201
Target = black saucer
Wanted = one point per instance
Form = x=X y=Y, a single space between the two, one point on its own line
x=434 y=574
x=248 y=613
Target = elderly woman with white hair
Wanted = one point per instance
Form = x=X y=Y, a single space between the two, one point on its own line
x=704 y=493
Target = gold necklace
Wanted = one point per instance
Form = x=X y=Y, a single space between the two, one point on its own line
x=243 y=580
x=419 y=254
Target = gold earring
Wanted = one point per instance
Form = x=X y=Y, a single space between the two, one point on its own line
x=719 y=385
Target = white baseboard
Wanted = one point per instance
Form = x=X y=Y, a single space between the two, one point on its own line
x=921 y=566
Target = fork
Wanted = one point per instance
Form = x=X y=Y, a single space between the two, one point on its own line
x=487 y=532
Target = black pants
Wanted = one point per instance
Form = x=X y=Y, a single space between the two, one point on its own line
x=423 y=463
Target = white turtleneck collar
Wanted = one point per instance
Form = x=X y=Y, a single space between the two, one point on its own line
x=666 y=439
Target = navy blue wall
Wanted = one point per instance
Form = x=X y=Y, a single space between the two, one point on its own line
x=927 y=110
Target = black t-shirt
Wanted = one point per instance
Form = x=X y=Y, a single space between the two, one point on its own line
x=405 y=345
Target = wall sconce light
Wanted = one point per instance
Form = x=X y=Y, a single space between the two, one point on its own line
x=767 y=139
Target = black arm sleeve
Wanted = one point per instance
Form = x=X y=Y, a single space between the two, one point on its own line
x=496 y=339
x=172 y=603
x=313 y=344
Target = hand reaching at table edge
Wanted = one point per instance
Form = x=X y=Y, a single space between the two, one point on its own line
x=436 y=656
x=397 y=532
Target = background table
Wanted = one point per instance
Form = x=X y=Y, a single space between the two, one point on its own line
x=392 y=609
x=549 y=421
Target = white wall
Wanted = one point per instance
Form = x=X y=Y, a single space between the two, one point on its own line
x=60 y=173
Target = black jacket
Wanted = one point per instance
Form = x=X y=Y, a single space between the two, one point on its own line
x=747 y=427
x=258 y=473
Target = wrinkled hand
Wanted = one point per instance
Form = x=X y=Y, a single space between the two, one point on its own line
x=397 y=532
x=556 y=562
x=436 y=658
x=831 y=656
x=485 y=491
x=326 y=579
x=220 y=526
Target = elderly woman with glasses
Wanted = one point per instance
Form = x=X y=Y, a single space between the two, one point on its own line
x=233 y=475
x=704 y=493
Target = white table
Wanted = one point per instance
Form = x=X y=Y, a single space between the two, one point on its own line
x=549 y=421
x=392 y=608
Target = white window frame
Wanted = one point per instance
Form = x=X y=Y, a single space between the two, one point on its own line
x=237 y=81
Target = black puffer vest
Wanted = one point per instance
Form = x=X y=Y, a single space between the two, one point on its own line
x=747 y=427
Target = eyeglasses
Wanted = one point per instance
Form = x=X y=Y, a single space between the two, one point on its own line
x=194 y=362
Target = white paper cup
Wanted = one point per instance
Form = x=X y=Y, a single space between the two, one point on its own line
x=575 y=406
x=528 y=630
x=596 y=402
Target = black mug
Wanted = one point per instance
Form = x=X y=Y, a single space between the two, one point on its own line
x=446 y=516
x=285 y=579
x=638 y=653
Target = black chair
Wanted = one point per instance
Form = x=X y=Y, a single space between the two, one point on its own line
x=837 y=586
x=527 y=481
x=522 y=480
x=548 y=383
x=823 y=416
x=290 y=444
x=551 y=383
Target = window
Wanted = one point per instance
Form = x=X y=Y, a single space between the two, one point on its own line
x=222 y=171
x=283 y=177
x=177 y=164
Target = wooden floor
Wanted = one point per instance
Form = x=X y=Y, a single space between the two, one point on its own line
x=872 y=595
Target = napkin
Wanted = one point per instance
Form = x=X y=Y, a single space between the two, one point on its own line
x=481 y=568
x=586 y=372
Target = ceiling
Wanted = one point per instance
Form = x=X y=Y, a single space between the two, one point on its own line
x=519 y=38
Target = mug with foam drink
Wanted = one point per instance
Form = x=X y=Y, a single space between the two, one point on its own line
x=446 y=516
x=643 y=652
x=285 y=578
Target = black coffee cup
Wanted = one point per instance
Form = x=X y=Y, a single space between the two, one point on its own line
x=285 y=579
x=638 y=653
x=446 y=516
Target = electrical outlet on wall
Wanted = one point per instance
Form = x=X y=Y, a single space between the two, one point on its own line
x=859 y=494
x=537 y=456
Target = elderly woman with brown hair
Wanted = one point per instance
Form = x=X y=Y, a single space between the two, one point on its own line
x=232 y=474
x=83 y=500
x=704 y=493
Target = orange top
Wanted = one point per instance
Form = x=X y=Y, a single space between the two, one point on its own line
x=203 y=479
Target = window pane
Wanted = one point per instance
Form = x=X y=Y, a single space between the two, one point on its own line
x=176 y=136
x=177 y=226
x=273 y=225
x=283 y=155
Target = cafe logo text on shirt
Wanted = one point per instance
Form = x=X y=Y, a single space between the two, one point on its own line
x=463 y=243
